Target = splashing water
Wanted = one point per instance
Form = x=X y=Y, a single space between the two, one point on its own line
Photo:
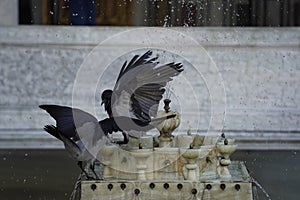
x=261 y=188
x=76 y=187
x=166 y=20
x=168 y=92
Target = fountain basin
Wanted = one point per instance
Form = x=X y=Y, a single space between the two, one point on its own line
x=226 y=150
x=239 y=187
x=190 y=154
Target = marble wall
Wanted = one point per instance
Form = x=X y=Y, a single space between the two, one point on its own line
x=9 y=13
x=259 y=68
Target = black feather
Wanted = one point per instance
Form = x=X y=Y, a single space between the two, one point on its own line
x=135 y=62
x=52 y=130
x=143 y=79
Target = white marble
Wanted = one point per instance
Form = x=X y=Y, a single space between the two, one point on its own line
x=259 y=68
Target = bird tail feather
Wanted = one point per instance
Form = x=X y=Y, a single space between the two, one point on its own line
x=52 y=130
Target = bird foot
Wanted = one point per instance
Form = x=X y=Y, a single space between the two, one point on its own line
x=125 y=141
x=92 y=167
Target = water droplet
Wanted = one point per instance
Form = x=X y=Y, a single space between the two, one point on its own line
x=51 y=12
x=167 y=162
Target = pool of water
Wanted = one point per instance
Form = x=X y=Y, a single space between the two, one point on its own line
x=51 y=174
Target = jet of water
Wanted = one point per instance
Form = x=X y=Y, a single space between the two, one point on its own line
x=261 y=188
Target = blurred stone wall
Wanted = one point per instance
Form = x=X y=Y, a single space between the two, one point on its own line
x=9 y=13
x=259 y=67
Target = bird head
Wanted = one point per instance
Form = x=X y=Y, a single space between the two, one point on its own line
x=106 y=97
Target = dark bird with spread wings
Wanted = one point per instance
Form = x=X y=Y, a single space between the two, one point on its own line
x=136 y=95
x=131 y=106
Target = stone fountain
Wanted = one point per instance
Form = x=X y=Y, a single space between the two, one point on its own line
x=170 y=167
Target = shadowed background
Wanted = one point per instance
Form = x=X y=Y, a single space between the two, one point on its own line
x=51 y=174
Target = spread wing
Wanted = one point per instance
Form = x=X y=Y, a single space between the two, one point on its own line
x=140 y=86
x=73 y=123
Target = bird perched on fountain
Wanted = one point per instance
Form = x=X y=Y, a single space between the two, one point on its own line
x=131 y=105
x=138 y=91
x=77 y=150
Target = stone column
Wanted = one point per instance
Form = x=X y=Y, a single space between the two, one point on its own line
x=9 y=13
